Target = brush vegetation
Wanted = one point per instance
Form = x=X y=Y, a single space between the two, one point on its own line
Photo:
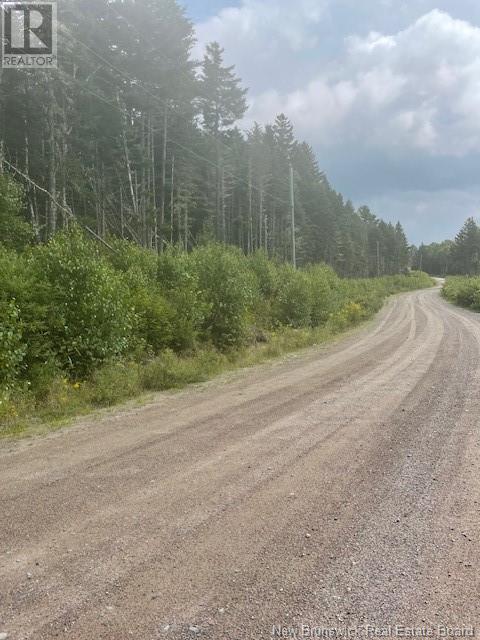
x=82 y=326
x=463 y=291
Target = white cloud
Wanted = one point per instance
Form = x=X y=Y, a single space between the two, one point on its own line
x=372 y=84
x=417 y=89
x=264 y=24
x=318 y=108
x=429 y=216
x=374 y=42
x=266 y=39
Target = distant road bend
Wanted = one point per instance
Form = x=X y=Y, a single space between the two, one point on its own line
x=337 y=488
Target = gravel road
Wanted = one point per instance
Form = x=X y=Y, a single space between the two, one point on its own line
x=339 y=488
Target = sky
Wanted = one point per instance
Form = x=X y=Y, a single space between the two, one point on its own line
x=386 y=91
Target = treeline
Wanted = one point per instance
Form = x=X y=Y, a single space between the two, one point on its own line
x=452 y=257
x=132 y=138
x=462 y=260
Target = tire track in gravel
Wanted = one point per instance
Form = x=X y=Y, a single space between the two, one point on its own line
x=322 y=489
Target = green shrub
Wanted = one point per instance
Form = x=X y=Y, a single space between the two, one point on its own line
x=138 y=265
x=61 y=399
x=228 y=289
x=88 y=318
x=293 y=303
x=8 y=410
x=369 y=294
x=12 y=347
x=179 y=281
x=154 y=321
x=326 y=294
x=266 y=273
x=112 y=383
x=14 y=276
x=43 y=376
x=15 y=233
x=464 y=291
x=81 y=327
x=18 y=282
x=169 y=370
x=154 y=325
x=349 y=315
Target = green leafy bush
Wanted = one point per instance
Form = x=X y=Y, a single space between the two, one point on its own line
x=15 y=233
x=154 y=317
x=228 y=289
x=88 y=318
x=326 y=294
x=12 y=347
x=293 y=303
x=266 y=273
x=178 y=279
x=112 y=383
x=138 y=265
x=349 y=315
x=154 y=326
x=464 y=291
x=83 y=327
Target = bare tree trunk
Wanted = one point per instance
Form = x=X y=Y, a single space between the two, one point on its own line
x=122 y=218
x=250 y=208
x=129 y=174
x=153 y=186
x=223 y=204
x=31 y=201
x=127 y=161
x=259 y=226
x=140 y=226
x=52 y=176
x=103 y=222
x=65 y=132
x=265 y=222
x=185 y=225
x=161 y=216
x=96 y=193
x=219 y=175
x=142 y=187
x=273 y=230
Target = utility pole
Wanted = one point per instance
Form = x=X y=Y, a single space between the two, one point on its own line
x=172 y=201
x=421 y=261
x=292 y=205
x=378 y=258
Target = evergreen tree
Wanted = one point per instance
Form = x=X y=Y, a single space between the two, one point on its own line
x=222 y=99
x=130 y=139
x=466 y=250
x=222 y=102
x=402 y=253
x=435 y=258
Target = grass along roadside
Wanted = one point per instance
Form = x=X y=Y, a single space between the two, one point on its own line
x=119 y=382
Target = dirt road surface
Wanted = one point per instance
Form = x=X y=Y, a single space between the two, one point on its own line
x=337 y=488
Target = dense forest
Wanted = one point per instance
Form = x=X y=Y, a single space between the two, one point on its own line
x=452 y=257
x=133 y=138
